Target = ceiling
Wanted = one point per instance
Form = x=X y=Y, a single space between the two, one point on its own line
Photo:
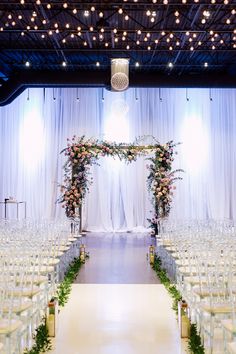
x=167 y=42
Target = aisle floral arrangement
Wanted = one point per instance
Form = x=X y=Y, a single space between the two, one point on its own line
x=81 y=154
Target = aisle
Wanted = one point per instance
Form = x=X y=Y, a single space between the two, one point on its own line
x=106 y=316
x=118 y=258
x=118 y=319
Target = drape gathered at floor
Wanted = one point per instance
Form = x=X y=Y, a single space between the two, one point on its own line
x=34 y=129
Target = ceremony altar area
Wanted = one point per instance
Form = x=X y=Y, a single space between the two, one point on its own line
x=145 y=167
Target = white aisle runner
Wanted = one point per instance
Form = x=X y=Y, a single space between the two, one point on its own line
x=118 y=319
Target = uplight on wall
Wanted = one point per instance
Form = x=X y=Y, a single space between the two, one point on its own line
x=31 y=139
x=116 y=124
x=195 y=144
x=119 y=74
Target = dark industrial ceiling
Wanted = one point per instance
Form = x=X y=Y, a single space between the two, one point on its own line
x=168 y=42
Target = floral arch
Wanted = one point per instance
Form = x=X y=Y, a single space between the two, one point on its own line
x=81 y=154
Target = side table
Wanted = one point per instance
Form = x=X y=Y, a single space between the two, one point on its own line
x=7 y=202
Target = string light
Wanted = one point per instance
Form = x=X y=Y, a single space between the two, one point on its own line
x=144 y=34
x=206 y=13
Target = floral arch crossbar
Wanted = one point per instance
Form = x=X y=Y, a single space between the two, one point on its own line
x=82 y=154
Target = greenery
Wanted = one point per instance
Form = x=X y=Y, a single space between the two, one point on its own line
x=171 y=288
x=42 y=340
x=64 y=288
x=194 y=344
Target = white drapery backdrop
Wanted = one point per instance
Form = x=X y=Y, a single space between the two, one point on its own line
x=34 y=129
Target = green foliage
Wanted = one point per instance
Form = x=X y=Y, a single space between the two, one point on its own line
x=42 y=340
x=194 y=344
x=64 y=288
x=171 y=288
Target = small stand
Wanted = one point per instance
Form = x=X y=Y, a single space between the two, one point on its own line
x=52 y=318
x=14 y=202
x=183 y=319
x=151 y=254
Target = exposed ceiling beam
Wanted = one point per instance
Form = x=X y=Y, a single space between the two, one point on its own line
x=13 y=87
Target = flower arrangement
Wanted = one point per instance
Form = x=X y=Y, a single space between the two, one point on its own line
x=160 y=182
x=81 y=154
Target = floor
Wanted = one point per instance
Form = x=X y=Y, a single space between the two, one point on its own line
x=117 y=258
x=116 y=305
